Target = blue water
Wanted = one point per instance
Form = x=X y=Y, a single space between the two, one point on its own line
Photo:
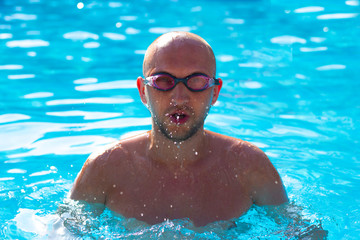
x=67 y=86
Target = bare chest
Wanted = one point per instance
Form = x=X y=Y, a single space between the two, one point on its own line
x=202 y=197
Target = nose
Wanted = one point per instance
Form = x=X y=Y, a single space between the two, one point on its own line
x=180 y=94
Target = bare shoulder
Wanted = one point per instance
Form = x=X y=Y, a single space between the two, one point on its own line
x=242 y=150
x=265 y=185
x=102 y=166
x=90 y=182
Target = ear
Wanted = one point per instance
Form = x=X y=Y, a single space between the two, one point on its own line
x=141 y=88
x=216 y=92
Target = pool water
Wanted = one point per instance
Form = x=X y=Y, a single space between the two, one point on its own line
x=67 y=86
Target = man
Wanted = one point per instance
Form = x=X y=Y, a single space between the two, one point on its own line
x=178 y=169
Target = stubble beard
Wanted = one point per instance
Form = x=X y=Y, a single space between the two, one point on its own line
x=173 y=136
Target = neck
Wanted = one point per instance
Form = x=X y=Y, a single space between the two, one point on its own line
x=175 y=154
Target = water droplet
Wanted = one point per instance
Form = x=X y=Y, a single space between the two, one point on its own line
x=80 y=5
x=196 y=153
x=141 y=214
x=144 y=205
x=171 y=206
x=114 y=186
x=121 y=193
x=276 y=182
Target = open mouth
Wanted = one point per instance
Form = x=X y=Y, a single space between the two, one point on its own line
x=179 y=117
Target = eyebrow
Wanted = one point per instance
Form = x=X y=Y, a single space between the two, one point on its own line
x=200 y=73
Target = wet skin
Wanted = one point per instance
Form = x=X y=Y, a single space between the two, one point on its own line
x=178 y=169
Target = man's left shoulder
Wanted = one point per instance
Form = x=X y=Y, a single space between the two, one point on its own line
x=239 y=149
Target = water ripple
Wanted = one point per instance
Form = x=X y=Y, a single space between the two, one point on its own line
x=234 y=21
x=27 y=43
x=65 y=146
x=85 y=80
x=5 y=35
x=11 y=66
x=132 y=31
x=20 y=16
x=86 y=115
x=38 y=95
x=80 y=35
x=292 y=131
x=309 y=9
x=13 y=117
x=352 y=2
x=331 y=67
x=114 y=36
x=286 y=39
x=119 y=84
x=22 y=134
x=117 y=123
x=97 y=100
x=21 y=76
x=316 y=49
x=161 y=30
x=91 y=45
x=337 y=16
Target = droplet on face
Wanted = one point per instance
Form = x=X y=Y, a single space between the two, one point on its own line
x=276 y=182
x=114 y=186
x=196 y=153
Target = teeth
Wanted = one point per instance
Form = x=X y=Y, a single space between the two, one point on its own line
x=179 y=116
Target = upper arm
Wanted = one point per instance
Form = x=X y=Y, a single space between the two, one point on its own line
x=266 y=185
x=90 y=184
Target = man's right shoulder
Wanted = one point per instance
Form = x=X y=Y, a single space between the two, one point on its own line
x=98 y=171
x=117 y=152
x=106 y=154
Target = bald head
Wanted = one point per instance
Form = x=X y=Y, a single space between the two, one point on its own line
x=177 y=46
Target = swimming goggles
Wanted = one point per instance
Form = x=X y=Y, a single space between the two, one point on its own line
x=195 y=82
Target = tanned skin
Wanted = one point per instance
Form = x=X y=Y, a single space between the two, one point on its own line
x=179 y=170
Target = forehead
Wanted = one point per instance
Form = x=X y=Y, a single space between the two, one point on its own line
x=179 y=56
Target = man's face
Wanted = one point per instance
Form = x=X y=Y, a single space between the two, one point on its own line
x=179 y=113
